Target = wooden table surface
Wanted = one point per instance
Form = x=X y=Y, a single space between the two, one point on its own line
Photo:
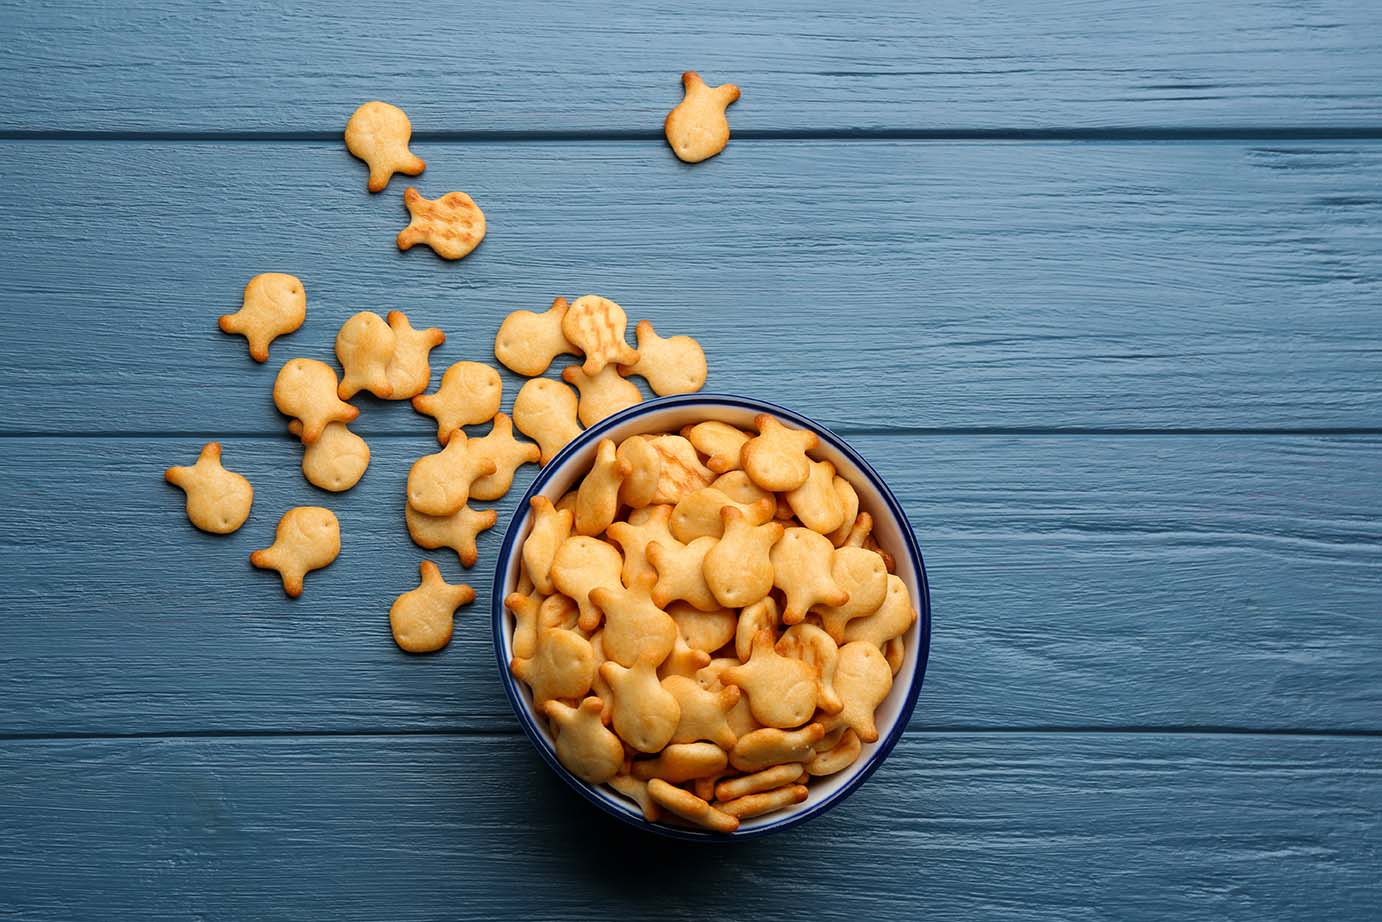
x=1096 y=286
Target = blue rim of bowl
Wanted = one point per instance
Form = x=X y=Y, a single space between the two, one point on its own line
x=521 y=710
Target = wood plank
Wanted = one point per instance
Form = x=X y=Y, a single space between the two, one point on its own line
x=868 y=284
x=1045 y=826
x=1077 y=582
x=83 y=65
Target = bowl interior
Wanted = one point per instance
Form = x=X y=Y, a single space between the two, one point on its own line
x=668 y=415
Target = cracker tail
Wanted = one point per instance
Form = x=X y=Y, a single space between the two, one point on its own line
x=292 y=584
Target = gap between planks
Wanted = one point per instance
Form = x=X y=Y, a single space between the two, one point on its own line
x=504 y=734
x=1252 y=133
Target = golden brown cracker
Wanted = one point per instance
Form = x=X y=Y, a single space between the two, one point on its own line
x=675 y=365
x=306 y=389
x=307 y=538
x=409 y=371
x=582 y=564
x=507 y=453
x=274 y=304
x=452 y=225
x=337 y=460
x=595 y=325
x=690 y=807
x=457 y=531
x=775 y=459
x=551 y=527
x=782 y=690
x=470 y=394
x=597 y=498
x=421 y=618
x=645 y=714
x=635 y=627
x=801 y=569
x=583 y=743
x=218 y=500
x=545 y=410
x=681 y=573
x=527 y=342
x=601 y=395
x=633 y=536
x=697 y=128
x=364 y=347
x=682 y=762
x=439 y=484
x=562 y=666
x=378 y=133
x=738 y=569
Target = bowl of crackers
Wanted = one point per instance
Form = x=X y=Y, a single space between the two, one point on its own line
x=711 y=617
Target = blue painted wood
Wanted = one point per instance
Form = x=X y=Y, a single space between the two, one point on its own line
x=1078 y=582
x=872 y=285
x=954 y=826
x=87 y=65
x=951 y=304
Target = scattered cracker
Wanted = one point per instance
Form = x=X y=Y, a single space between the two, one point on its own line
x=364 y=347
x=458 y=531
x=470 y=394
x=274 y=304
x=546 y=411
x=595 y=325
x=378 y=134
x=421 y=618
x=507 y=453
x=409 y=372
x=337 y=460
x=307 y=538
x=675 y=365
x=439 y=484
x=306 y=389
x=527 y=342
x=697 y=128
x=218 y=500
x=452 y=225
x=602 y=395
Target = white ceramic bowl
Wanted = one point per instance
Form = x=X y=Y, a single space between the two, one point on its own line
x=891 y=529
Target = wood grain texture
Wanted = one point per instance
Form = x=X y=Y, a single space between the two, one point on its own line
x=1077 y=582
x=878 y=284
x=84 y=65
x=1043 y=827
